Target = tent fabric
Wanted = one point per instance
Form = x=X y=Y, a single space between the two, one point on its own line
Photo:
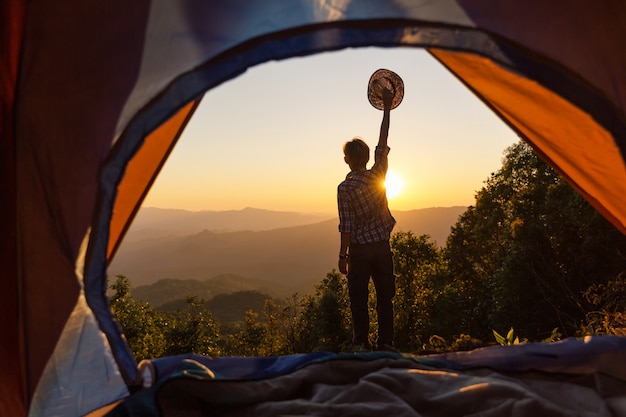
x=71 y=85
x=100 y=382
x=13 y=393
x=142 y=170
x=351 y=388
x=600 y=354
x=548 y=112
x=95 y=94
x=572 y=377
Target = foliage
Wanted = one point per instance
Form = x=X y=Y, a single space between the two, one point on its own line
x=608 y=296
x=272 y=335
x=465 y=342
x=279 y=320
x=141 y=325
x=248 y=338
x=555 y=336
x=508 y=340
x=169 y=294
x=530 y=240
x=191 y=330
x=152 y=334
x=233 y=306
x=600 y=323
x=436 y=343
x=421 y=292
x=531 y=254
x=609 y=299
x=324 y=321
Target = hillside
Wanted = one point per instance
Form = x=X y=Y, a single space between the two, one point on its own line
x=291 y=257
x=225 y=308
x=165 y=291
x=434 y=221
x=152 y=222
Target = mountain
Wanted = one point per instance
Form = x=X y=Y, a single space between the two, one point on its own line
x=225 y=308
x=434 y=221
x=152 y=222
x=169 y=290
x=295 y=258
x=286 y=256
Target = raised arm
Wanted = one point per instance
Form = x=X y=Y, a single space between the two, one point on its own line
x=384 y=127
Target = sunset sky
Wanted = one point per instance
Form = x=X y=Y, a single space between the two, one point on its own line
x=272 y=137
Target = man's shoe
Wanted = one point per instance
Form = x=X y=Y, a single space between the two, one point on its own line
x=383 y=347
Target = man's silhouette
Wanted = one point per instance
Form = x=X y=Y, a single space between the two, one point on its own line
x=365 y=224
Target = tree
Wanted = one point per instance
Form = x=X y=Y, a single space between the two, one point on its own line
x=141 y=325
x=191 y=330
x=279 y=320
x=528 y=249
x=425 y=304
x=248 y=338
x=269 y=335
x=609 y=300
x=324 y=320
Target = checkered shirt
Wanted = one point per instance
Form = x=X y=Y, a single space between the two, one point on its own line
x=362 y=203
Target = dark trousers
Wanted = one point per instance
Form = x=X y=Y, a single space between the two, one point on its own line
x=371 y=260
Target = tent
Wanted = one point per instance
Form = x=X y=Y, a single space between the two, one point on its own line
x=95 y=94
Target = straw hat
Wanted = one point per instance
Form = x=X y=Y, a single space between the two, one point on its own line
x=385 y=78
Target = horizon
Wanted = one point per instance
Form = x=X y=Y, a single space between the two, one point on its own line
x=288 y=211
x=272 y=137
x=179 y=243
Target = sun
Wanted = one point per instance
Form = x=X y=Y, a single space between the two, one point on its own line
x=394 y=184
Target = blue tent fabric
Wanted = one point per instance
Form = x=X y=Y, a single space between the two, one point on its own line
x=606 y=354
x=255 y=367
x=573 y=377
x=305 y=33
x=86 y=84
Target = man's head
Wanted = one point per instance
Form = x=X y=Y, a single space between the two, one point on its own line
x=356 y=153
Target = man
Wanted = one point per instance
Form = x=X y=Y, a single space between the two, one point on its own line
x=365 y=224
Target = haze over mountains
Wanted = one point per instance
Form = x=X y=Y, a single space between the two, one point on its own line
x=284 y=252
x=152 y=221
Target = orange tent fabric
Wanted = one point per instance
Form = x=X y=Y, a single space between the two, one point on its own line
x=95 y=94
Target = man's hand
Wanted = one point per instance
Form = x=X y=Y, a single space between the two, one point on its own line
x=344 y=265
x=344 y=259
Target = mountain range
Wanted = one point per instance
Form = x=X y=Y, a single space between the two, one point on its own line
x=282 y=252
x=153 y=222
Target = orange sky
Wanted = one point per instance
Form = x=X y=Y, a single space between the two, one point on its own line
x=272 y=137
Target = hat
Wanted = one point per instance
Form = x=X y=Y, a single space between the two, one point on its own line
x=388 y=79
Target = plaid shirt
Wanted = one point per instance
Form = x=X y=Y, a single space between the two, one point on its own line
x=362 y=203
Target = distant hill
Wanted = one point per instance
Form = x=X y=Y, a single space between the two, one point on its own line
x=225 y=308
x=152 y=222
x=169 y=290
x=435 y=221
x=294 y=258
